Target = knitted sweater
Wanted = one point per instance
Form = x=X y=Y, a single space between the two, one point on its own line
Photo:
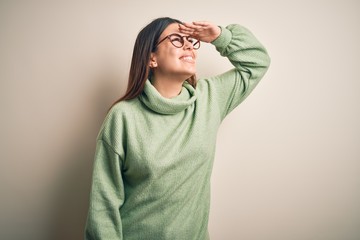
x=154 y=155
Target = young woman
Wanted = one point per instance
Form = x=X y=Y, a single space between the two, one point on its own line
x=155 y=149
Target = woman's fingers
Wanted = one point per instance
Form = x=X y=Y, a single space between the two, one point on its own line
x=201 y=23
x=189 y=24
x=191 y=29
x=192 y=26
x=183 y=27
x=202 y=30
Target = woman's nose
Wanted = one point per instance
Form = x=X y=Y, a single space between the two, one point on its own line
x=187 y=44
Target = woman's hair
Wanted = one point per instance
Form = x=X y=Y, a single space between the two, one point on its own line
x=144 y=45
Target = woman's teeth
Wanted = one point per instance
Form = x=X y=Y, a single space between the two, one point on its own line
x=188 y=58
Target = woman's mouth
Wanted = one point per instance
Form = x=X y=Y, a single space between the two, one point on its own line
x=188 y=58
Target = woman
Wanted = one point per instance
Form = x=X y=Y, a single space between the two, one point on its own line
x=155 y=150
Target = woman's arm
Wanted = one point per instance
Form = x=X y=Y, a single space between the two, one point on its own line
x=245 y=52
x=106 y=196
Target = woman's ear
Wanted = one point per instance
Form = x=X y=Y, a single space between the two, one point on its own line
x=152 y=63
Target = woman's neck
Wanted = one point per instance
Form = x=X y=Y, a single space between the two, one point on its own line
x=168 y=88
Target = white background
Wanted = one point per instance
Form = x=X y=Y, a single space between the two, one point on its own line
x=287 y=164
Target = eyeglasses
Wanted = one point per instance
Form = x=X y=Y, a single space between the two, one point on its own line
x=178 y=41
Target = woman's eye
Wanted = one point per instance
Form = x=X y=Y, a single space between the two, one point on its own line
x=192 y=40
x=176 y=39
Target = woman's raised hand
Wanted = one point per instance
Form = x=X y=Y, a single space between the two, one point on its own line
x=201 y=30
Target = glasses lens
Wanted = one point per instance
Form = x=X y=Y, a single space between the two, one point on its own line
x=177 y=40
x=196 y=44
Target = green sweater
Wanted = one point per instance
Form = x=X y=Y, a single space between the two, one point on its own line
x=154 y=156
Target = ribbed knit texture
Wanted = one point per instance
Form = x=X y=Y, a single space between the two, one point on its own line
x=154 y=155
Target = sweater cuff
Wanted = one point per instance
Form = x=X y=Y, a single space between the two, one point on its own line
x=223 y=39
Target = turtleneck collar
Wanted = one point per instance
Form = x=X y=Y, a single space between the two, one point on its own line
x=153 y=99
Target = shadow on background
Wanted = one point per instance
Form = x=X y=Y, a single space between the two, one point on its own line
x=71 y=196
x=71 y=193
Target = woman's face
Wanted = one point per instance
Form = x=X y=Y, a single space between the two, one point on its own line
x=172 y=61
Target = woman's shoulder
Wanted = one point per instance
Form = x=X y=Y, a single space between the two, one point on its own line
x=123 y=105
x=124 y=108
x=120 y=113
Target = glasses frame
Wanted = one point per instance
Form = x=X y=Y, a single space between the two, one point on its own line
x=182 y=42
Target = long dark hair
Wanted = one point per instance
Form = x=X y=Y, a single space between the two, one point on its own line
x=144 y=45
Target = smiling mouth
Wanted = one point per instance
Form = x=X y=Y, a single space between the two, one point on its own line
x=189 y=59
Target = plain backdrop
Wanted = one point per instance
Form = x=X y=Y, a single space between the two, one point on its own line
x=287 y=163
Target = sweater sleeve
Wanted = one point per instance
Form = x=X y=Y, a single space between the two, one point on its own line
x=250 y=60
x=106 y=196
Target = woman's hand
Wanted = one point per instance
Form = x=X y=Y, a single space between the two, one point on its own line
x=202 y=30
